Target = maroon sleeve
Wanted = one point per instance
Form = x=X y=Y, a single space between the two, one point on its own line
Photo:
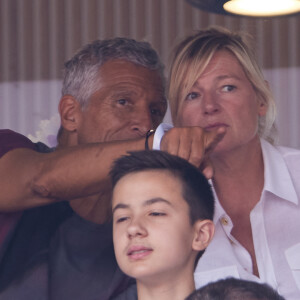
x=11 y=140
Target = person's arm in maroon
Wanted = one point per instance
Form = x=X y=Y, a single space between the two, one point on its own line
x=10 y=140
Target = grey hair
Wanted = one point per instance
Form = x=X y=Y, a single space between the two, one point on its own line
x=81 y=72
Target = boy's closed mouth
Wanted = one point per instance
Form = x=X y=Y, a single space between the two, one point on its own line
x=137 y=252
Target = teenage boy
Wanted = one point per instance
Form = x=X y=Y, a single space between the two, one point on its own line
x=162 y=222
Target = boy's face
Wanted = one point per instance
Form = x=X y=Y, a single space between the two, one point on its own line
x=152 y=232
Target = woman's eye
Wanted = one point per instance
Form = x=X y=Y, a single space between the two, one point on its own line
x=191 y=96
x=228 y=88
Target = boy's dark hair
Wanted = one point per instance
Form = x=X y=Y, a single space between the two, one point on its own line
x=195 y=188
x=235 y=289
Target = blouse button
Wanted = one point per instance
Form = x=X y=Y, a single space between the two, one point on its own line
x=224 y=221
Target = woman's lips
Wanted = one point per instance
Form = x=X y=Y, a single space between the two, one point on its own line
x=214 y=126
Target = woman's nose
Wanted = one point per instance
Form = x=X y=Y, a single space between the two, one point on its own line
x=210 y=104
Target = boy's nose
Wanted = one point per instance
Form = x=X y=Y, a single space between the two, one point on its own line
x=136 y=229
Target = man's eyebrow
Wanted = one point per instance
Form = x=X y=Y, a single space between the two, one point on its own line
x=122 y=92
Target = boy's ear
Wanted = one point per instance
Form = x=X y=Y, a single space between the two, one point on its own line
x=70 y=112
x=204 y=231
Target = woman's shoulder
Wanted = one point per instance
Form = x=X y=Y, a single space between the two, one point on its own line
x=286 y=152
x=289 y=153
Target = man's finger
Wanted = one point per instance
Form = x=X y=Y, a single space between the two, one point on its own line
x=197 y=152
x=170 y=142
x=212 y=138
x=207 y=169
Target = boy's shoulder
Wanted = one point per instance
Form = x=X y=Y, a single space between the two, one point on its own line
x=129 y=294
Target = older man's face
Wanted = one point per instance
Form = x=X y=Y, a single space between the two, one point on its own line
x=129 y=102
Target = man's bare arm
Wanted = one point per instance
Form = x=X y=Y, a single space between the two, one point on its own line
x=29 y=178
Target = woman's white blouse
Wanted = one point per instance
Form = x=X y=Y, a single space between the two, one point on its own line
x=275 y=222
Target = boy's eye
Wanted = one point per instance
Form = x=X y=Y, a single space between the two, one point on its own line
x=228 y=88
x=121 y=219
x=191 y=96
x=157 y=214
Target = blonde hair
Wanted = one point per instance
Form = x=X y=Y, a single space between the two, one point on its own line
x=193 y=55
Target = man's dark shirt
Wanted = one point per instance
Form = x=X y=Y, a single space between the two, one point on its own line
x=51 y=253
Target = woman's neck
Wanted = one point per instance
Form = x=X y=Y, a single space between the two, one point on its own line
x=238 y=174
x=237 y=159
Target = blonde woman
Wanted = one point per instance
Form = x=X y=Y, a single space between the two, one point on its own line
x=216 y=83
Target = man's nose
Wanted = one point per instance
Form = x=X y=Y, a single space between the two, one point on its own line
x=142 y=121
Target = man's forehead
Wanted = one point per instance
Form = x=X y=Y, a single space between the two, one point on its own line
x=127 y=77
x=120 y=68
x=125 y=65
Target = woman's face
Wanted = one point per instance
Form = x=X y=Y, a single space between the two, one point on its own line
x=223 y=96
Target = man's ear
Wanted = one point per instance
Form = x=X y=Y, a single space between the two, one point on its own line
x=70 y=112
x=204 y=231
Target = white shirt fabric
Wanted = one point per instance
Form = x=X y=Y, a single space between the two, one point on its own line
x=275 y=222
x=159 y=133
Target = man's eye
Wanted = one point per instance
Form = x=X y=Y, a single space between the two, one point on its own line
x=191 y=96
x=228 y=88
x=155 y=112
x=122 y=101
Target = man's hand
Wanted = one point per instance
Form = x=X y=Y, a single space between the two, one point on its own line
x=193 y=144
